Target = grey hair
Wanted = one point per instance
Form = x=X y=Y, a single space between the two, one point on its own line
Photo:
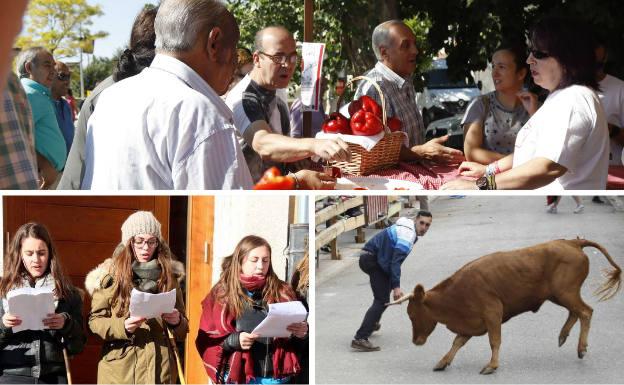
x=381 y=36
x=27 y=56
x=179 y=23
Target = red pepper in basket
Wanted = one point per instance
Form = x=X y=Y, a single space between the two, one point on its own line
x=394 y=124
x=272 y=179
x=336 y=124
x=370 y=105
x=365 y=123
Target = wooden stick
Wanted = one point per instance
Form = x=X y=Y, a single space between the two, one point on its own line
x=67 y=367
x=174 y=347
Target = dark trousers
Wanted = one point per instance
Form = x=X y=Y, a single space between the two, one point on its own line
x=49 y=379
x=380 y=285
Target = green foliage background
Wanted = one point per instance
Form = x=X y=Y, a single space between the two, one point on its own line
x=468 y=30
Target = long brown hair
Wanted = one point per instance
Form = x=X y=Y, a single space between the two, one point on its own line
x=15 y=270
x=302 y=275
x=122 y=272
x=230 y=291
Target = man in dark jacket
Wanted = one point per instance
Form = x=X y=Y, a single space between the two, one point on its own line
x=381 y=259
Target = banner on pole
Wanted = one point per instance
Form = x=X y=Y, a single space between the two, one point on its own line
x=312 y=54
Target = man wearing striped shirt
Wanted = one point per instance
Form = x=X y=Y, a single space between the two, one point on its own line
x=381 y=258
x=394 y=45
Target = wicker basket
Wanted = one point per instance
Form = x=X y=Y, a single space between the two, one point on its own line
x=385 y=154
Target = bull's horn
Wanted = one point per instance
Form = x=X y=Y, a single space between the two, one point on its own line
x=401 y=300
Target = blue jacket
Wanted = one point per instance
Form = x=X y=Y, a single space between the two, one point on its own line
x=392 y=246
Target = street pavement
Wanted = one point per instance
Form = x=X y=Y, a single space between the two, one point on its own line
x=463 y=230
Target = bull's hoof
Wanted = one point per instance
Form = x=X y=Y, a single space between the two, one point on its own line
x=581 y=353
x=441 y=366
x=562 y=340
x=487 y=370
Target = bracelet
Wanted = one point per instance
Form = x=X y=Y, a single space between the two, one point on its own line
x=294 y=176
x=492 y=169
x=491 y=182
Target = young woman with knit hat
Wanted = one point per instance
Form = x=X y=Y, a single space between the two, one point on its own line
x=36 y=356
x=135 y=350
x=234 y=307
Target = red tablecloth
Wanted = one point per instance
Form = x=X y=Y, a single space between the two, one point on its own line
x=615 y=180
x=430 y=176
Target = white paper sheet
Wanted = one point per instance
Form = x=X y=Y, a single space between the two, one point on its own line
x=280 y=316
x=312 y=54
x=151 y=305
x=31 y=305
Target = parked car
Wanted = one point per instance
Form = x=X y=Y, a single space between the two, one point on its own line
x=450 y=126
x=443 y=98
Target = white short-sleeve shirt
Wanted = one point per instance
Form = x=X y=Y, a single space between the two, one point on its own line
x=612 y=98
x=569 y=129
x=164 y=128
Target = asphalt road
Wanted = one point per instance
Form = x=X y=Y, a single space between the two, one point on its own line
x=463 y=230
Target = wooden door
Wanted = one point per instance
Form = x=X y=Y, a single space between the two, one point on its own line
x=85 y=231
x=199 y=281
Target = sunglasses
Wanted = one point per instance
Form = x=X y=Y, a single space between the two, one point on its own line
x=539 y=54
x=63 y=77
x=423 y=223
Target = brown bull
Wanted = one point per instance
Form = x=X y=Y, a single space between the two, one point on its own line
x=488 y=291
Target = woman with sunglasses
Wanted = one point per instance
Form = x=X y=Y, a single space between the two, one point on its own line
x=36 y=356
x=136 y=350
x=232 y=310
x=492 y=121
x=565 y=144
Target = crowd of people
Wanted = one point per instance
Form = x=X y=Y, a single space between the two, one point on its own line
x=187 y=109
x=137 y=350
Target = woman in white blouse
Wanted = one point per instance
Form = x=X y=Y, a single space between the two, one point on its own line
x=565 y=144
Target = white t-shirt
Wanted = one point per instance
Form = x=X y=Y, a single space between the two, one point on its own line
x=569 y=129
x=164 y=128
x=612 y=98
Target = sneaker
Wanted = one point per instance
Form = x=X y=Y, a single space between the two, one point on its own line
x=551 y=209
x=364 y=346
x=377 y=326
x=579 y=209
x=598 y=200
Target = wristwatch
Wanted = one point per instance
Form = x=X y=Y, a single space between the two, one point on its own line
x=482 y=183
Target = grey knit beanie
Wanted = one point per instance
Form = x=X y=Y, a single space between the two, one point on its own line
x=141 y=222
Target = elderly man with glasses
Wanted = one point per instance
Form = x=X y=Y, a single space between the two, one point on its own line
x=64 y=116
x=35 y=67
x=262 y=119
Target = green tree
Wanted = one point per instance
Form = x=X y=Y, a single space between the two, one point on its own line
x=470 y=30
x=61 y=26
x=344 y=26
x=99 y=69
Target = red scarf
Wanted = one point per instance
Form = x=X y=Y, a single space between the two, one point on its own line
x=252 y=282
x=216 y=324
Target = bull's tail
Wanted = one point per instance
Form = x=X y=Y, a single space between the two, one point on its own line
x=613 y=277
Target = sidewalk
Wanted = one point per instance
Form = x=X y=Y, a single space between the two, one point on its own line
x=349 y=249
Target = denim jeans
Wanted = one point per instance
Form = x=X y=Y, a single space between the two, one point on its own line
x=380 y=285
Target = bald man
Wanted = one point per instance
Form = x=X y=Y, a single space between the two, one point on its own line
x=262 y=119
x=60 y=85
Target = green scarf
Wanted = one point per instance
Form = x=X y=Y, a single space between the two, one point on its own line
x=145 y=276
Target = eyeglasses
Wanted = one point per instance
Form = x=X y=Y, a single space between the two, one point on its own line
x=423 y=223
x=150 y=242
x=539 y=54
x=63 y=76
x=282 y=59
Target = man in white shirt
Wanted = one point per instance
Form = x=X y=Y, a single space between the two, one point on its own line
x=612 y=98
x=167 y=128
